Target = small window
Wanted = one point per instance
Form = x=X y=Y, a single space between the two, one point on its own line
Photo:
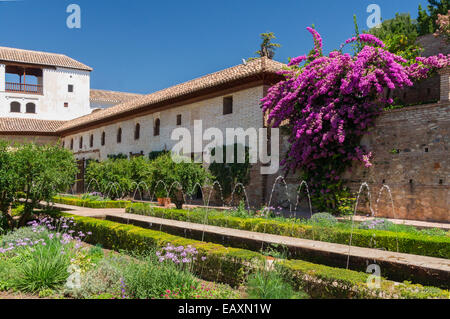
x=228 y=105
x=71 y=144
x=63 y=144
x=15 y=107
x=156 y=129
x=179 y=119
x=81 y=142
x=66 y=104
x=119 y=135
x=70 y=88
x=137 y=131
x=103 y=138
x=91 y=141
x=31 y=108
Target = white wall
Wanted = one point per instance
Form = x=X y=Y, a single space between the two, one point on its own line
x=246 y=114
x=50 y=105
x=2 y=78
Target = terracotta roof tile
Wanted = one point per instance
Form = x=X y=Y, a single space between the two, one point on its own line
x=40 y=58
x=242 y=71
x=20 y=125
x=112 y=96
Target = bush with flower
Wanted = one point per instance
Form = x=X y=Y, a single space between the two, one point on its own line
x=330 y=102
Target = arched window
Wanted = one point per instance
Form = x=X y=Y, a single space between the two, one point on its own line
x=81 y=142
x=119 y=135
x=137 y=131
x=103 y=138
x=156 y=129
x=91 y=141
x=31 y=108
x=71 y=144
x=15 y=107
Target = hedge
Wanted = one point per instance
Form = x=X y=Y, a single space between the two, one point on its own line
x=91 y=204
x=408 y=243
x=232 y=265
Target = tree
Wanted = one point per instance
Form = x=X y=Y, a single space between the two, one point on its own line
x=267 y=47
x=399 y=35
x=8 y=182
x=444 y=27
x=178 y=178
x=427 y=21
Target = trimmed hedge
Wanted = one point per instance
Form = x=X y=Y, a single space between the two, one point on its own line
x=232 y=265
x=91 y=204
x=408 y=243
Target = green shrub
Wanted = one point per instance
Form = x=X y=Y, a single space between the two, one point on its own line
x=269 y=284
x=324 y=219
x=41 y=268
x=411 y=243
x=91 y=204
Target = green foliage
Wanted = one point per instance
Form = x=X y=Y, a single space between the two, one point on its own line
x=269 y=284
x=231 y=174
x=183 y=174
x=90 y=203
x=155 y=154
x=427 y=19
x=9 y=179
x=267 y=47
x=400 y=36
x=324 y=219
x=223 y=264
x=40 y=268
x=412 y=242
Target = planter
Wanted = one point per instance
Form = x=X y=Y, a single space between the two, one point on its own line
x=164 y=202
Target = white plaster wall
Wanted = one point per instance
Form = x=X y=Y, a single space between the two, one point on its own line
x=246 y=114
x=50 y=105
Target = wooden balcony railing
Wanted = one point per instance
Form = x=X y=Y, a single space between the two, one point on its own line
x=23 y=88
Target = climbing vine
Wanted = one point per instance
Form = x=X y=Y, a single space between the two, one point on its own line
x=329 y=102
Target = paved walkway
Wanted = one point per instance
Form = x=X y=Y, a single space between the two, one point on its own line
x=429 y=264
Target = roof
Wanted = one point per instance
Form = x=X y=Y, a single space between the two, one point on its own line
x=244 y=72
x=112 y=96
x=23 y=126
x=41 y=58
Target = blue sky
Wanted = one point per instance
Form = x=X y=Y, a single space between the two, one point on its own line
x=146 y=45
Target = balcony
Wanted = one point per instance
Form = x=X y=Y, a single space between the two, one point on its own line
x=23 y=88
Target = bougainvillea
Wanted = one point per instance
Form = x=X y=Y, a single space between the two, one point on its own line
x=331 y=101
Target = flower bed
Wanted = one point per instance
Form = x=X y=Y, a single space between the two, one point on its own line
x=91 y=203
x=433 y=246
x=232 y=265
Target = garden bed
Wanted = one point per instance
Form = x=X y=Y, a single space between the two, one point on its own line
x=233 y=265
x=410 y=243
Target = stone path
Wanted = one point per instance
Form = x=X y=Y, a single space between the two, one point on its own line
x=429 y=264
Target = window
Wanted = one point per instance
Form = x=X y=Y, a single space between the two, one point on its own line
x=137 y=131
x=179 y=119
x=227 y=105
x=81 y=142
x=70 y=88
x=63 y=144
x=66 y=104
x=156 y=129
x=15 y=107
x=91 y=141
x=103 y=138
x=31 y=108
x=119 y=135
x=71 y=144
